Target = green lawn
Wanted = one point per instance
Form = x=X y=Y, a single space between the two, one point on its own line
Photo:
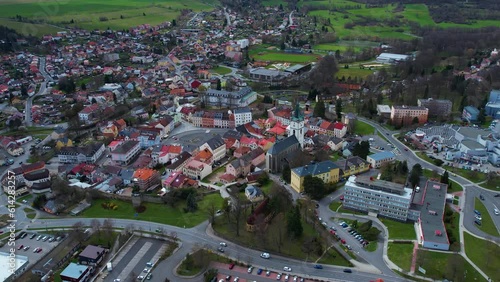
x=473 y=176
x=450 y=266
x=400 y=254
x=221 y=70
x=493 y=183
x=25 y=197
x=372 y=246
x=160 y=213
x=363 y=128
x=455 y=187
x=335 y=205
x=487 y=224
x=399 y=230
x=334 y=47
x=484 y=254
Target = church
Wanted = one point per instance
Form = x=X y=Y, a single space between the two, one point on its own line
x=282 y=152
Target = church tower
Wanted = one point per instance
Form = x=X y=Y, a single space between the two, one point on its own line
x=296 y=126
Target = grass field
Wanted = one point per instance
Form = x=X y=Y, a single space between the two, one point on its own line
x=399 y=230
x=157 y=212
x=473 y=176
x=363 y=128
x=37 y=30
x=353 y=72
x=450 y=266
x=335 y=205
x=487 y=224
x=400 y=254
x=484 y=254
x=87 y=13
x=274 y=56
x=412 y=13
x=221 y=70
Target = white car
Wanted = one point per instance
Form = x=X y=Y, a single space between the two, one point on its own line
x=223 y=244
x=265 y=255
x=286 y=268
x=496 y=211
x=478 y=217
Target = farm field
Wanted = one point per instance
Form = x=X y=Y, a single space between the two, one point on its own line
x=413 y=12
x=94 y=14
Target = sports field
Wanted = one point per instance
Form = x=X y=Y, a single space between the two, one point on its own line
x=95 y=14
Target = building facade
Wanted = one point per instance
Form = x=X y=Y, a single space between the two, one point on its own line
x=380 y=197
x=378 y=159
x=126 y=152
x=230 y=99
x=406 y=114
x=280 y=154
x=327 y=171
x=242 y=116
x=86 y=154
x=437 y=108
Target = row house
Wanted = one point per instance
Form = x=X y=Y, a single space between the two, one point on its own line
x=85 y=154
x=178 y=162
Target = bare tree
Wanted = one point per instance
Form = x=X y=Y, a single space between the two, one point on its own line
x=211 y=212
x=173 y=235
x=279 y=234
x=96 y=226
x=129 y=229
x=107 y=227
x=78 y=231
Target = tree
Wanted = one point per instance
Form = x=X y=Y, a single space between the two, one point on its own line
x=93 y=101
x=415 y=174
x=294 y=225
x=319 y=109
x=24 y=91
x=95 y=224
x=415 y=120
x=107 y=228
x=321 y=76
x=338 y=108
x=286 y=173
x=314 y=187
x=444 y=177
x=77 y=231
x=312 y=94
x=191 y=204
x=361 y=149
x=481 y=117
x=267 y=99
x=83 y=86
x=174 y=22
x=39 y=201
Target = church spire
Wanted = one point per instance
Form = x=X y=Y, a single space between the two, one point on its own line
x=297 y=113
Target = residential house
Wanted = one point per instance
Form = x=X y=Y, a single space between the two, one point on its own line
x=146 y=179
x=196 y=169
x=88 y=113
x=92 y=255
x=52 y=208
x=9 y=144
x=41 y=187
x=126 y=152
x=216 y=146
x=86 y=154
x=238 y=167
x=327 y=171
x=253 y=193
x=205 y=156
x=178 y=162
x=379 y=159
x=335 y=143
x=470 y=114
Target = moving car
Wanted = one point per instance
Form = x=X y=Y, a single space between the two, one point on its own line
x=347 y=270
x=223 y=244
x=265 y=255
x=481 y=197
x=286 y=268
x=496 y=211
x=318 y=266
x=220 y=249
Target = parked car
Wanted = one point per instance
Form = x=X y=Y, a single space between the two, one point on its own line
x=477 y=212
x=20 y=247
x=231 y=266
x=478 y=217
x=220 y=249
x=250 y=269
x=278 y=277
x=268 y=273
x=478 y=222
x=259 y=271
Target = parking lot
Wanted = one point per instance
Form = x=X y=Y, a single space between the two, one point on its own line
x=131 y=264
x=26 y=246
x=226 y=274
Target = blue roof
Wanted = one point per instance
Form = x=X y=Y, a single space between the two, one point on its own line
x=472 y=110
x=382 y=155
x=74 y=270
x=315 y=169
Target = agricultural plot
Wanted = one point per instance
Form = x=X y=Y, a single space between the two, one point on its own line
x=92 y=14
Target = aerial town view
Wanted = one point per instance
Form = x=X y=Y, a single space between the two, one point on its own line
x=249 y=140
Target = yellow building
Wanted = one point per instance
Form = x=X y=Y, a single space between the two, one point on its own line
x=327 y=171
x=352 y=166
